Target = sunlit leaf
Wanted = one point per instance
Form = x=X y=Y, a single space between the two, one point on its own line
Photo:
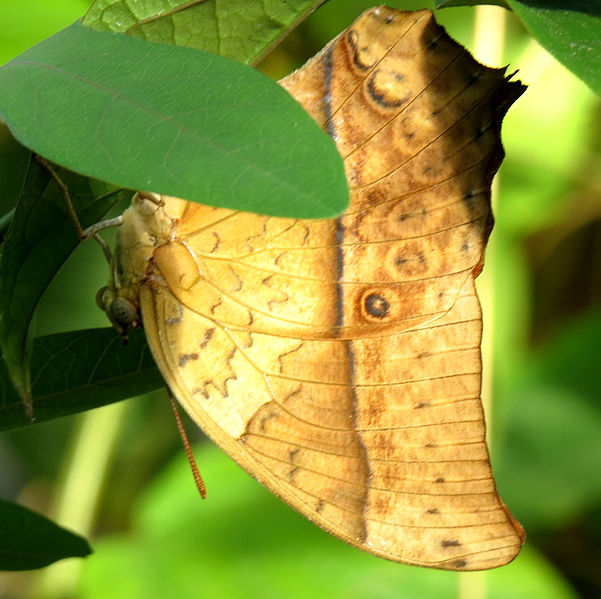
x=171 y=120
x=241 y=29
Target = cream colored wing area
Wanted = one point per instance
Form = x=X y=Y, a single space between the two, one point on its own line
x=237 y=386
x=432 y=498
x=380 y=441
x=289 y=277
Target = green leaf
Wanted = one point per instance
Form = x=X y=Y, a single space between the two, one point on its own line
x=39 y=240
x=241 y=29
x=569 y=30
x=29 y=540
x=171 y=120
x=78 y=371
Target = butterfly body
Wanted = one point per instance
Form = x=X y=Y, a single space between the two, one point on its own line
x=338 y=361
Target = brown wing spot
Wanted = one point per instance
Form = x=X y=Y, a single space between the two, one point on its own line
x=482 y=129
x=383 y=88
x=376 y=305
x=292 y=474
x=468 y=199
x=400 y=261
x=450 y=543
x=422 y=404
x=269 y=414
x=177 y=318
x=460 y=563
x=440 y=479
x=292 y=453
x=292 y=394
x=216 y=305
x=239 y=284
x=217 y=243
x=409 y=260
x=432 y=511
x=359 y=54
x=185 y=358
x=433 y=42
x=474 y=77
x=207 y=337
x=284 y=355
x=279 y=258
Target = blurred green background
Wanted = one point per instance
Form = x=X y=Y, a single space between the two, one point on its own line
x=119 y=474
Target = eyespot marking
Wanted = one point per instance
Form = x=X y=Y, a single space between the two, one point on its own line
x=376 y=305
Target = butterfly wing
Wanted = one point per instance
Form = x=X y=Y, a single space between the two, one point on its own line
x=338 y=361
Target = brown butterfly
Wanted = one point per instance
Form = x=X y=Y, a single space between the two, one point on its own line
x=338 y=361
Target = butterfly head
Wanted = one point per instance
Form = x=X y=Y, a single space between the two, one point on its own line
x=122 y=312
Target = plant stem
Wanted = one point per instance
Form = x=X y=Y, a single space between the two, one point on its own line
x=489 y=42
x=76 y=499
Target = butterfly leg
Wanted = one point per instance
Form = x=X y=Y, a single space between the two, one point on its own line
x=91 y=231
x=65 y=189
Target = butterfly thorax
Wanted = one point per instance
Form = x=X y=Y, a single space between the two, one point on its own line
x=145 y=226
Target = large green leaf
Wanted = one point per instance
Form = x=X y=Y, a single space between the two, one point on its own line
x=241 y=29
x=570 y=30
x=78 y=371
x=29 y=540
x=171 y=120
x=41 y=237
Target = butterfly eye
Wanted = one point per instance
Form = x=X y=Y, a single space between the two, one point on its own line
x=123 y=313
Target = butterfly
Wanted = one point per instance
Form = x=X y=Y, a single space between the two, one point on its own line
x=338 y=361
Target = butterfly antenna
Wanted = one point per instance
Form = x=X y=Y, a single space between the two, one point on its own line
x=200 y=485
